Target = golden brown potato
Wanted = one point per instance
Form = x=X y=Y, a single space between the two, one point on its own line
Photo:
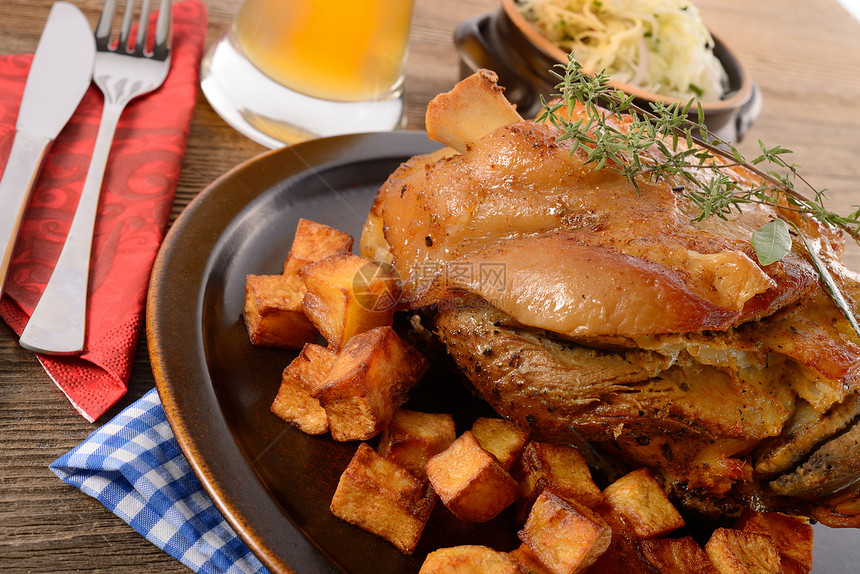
x=475 y=107
x=470 y=482
x=502 y=439
x=562 y=469
x=677 y=556
x=634 y=505
x=527 y=561
x=740 y=552
x=314 y=241
x=378 y=496
x=368 y=380
x=273 y=312
x=347 y=295
x=468 y=559
x=640 y=500
x=413 y=438
x=792 y=536
x=790 y=566
x=294 y=402
x=624 y=553
x=565 y=536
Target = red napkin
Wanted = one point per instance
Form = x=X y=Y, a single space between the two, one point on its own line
x=136 y=201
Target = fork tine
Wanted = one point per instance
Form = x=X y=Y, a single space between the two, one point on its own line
x=104 y=25
x=163 y=30
x=143 y=24
x=127 y=17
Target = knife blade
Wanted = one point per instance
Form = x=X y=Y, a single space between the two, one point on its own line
x=61 y=71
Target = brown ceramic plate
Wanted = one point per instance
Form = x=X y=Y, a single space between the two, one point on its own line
x=272 y=482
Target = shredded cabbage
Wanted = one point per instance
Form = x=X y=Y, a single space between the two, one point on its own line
x=659 y=45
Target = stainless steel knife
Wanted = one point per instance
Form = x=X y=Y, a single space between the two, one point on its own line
x=61 y=71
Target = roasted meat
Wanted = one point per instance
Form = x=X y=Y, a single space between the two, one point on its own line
x=581 y=307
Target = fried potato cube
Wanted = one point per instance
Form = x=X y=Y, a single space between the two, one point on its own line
x=368 y=380
x=638 y=498
x=347 y=295
x=314 y=241
x=273 y=312
x=624 y=553
x=793 y=537
x=475 y=107
x=561 y=468
x=677 y=556
x=739 y=552
x=413 y=438
x=380 y=497
x=501 y=438
x=294 y=402
x=470 y=482
x=468 y=559
x=564 y=535
x=527 y=561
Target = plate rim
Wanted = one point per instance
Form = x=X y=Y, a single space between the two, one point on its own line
x=168 y=370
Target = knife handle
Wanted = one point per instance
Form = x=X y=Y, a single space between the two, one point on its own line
x=19 y=178
x=58 y=323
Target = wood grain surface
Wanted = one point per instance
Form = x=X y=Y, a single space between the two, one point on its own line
x=805 y=56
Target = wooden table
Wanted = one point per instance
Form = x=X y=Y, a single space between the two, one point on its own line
x=805 y=56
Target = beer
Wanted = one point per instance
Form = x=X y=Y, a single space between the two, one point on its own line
x=343 y=50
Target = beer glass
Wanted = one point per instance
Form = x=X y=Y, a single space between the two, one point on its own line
x=290 y=70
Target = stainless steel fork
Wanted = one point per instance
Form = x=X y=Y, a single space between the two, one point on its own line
x=123 y=71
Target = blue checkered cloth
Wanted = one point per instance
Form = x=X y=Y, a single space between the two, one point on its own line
x=134 y=467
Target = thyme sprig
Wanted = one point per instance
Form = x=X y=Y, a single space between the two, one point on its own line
x=663 y=128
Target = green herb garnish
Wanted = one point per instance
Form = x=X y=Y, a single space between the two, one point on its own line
x=771 y=242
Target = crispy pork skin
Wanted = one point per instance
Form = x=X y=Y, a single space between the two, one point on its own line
x=518 y=194
x=601 y=291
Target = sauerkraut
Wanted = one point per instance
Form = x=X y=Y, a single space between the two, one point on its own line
x=659 y=45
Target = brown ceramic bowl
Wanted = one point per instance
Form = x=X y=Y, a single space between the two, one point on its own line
x=507 y=43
